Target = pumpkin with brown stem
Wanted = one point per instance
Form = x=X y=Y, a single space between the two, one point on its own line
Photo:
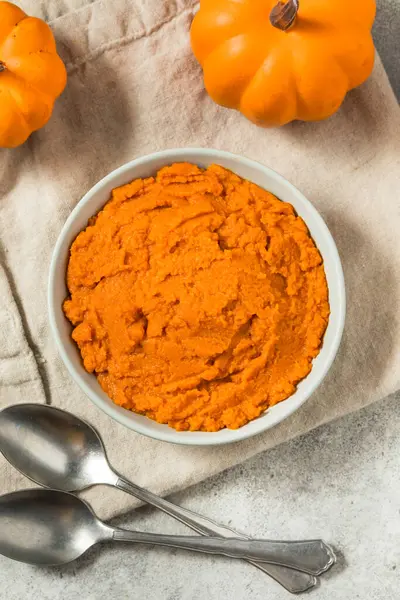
x=32 y=75
x=277 y=62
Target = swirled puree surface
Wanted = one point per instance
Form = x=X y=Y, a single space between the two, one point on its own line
x=197 y=298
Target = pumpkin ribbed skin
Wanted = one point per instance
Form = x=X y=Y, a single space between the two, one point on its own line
x=32 y=75
x=275 y=76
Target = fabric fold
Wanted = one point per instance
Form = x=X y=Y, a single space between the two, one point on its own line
x=20 y=379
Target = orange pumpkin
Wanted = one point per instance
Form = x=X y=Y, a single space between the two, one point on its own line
x=32 y=75
x=280 y=62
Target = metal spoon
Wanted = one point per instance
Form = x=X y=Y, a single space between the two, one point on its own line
x=47 y=527
x=58 y=450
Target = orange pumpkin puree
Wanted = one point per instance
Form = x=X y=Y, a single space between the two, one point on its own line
x=197 y=298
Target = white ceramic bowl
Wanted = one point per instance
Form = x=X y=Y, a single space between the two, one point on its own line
x=94 y=200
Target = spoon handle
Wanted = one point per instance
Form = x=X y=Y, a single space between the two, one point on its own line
x=293 y=581
x=310 y=556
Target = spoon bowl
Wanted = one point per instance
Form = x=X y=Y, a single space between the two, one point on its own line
x=42 y=528
x=59 y=450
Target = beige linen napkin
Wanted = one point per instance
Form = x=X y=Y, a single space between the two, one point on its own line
x=134 y=87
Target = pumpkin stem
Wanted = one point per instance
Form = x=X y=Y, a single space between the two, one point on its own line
x=284 y=14
x=2 y=66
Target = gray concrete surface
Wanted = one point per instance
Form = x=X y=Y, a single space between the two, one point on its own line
x=340 y=482
x=387 y=39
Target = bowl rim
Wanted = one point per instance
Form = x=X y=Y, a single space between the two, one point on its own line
x=169 y=434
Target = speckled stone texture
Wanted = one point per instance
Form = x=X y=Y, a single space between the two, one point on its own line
x=340 y=482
